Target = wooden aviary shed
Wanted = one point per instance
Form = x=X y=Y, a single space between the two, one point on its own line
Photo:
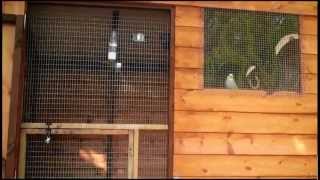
x=158 y=89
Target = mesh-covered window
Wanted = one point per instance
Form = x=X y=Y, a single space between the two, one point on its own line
x=251 y=50
x=71 y=79
x=77 y=157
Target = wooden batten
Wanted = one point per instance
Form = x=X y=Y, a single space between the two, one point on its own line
x=290 y=7
x=131 y=154
x=135 y=153
x=77 y=131
x=94 y=126
x=8 y=36
x=13 y=7
x=22 y=155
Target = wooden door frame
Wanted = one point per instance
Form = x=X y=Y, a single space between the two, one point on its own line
x=16 y=101
x=19 y=68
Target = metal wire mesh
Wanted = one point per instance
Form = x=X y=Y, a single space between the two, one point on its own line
x=153 y=154
x=256 y=50
x=77 y=157
x=69 y=76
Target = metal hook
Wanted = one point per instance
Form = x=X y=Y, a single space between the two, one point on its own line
x=48 y=132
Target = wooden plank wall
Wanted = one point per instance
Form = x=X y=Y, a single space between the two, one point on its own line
x=217 y=133
x=241 y=134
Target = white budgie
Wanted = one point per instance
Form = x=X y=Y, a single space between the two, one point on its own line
x=230 y=83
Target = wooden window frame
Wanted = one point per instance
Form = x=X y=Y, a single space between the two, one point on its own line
x=18 y=130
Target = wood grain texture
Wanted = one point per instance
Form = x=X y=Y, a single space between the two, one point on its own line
x=290 y=7
x=309 y=62
x=245 y=144
x=15 y=115
x=8 y=39
x=188 y=57
x=13 y=7
x=308 y=25
x=93 y=126
x=309 y=44
x=233 y=122
x=189 y=36
x=243 y=101
x=250 y=177
x=189 y=16
x=226 y=165
x=309 y=83
x=188 y=78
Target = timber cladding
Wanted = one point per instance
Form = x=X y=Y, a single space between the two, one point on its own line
x=220 y=134
x=241 y=134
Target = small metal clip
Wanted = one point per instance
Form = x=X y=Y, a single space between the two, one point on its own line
x=24 y=21
x=48 y=132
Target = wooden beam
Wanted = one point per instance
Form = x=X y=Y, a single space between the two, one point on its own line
x=76 y=131
x=16 y=100
x=136 y=154
x=13 y=7
x=130 y=154
x=290 y=7
x=22 y=155
x=94 y=126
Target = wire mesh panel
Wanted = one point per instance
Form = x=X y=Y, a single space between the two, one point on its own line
x=153 y=154
x=77 y=156
x=251 y=50
x=70 y=77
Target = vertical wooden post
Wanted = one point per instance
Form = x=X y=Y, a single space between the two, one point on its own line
x=22 y=154
x=130 y=154
x=15 y=116
x=136 y=154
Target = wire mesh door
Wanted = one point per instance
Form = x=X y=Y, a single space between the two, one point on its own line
x=98 y=66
